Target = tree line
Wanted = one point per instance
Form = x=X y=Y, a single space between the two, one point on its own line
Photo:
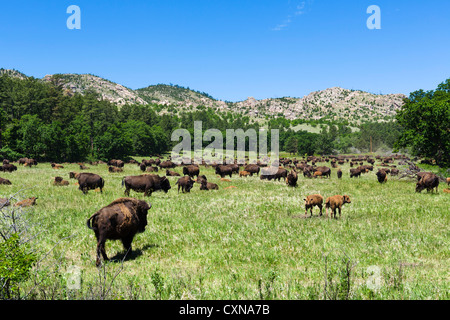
x=42 y=120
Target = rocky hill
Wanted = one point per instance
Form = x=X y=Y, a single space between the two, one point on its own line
x=330 y=104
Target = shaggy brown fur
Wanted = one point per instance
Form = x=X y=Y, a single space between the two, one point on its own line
x=26 y=203
x=336 y=202
x=120 y=220
x=311 y=201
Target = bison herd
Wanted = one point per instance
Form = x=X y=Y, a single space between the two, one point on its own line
x=125 y=217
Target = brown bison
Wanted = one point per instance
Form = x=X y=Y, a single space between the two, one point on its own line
x=191 y=171
x=339 y=174
x=147 y=183
x=90 y=181
x=8 y=168
x=116 y=163
x=185 y=183
x=205 y=185
x=336 y=202
x=171 y=173
x=151 y=169
x=115 y=169
x=30 y=162
x=167 y=164
x=311 y=201
x=381 y=176
x=292 y=178
x=56 y=166
x=326 y=172
x=429 y=182
x=4 y=202
x=5 y=181
x=26 y=203
x=73 y=175
x=244 y=173
x=60 y=182
x=252 y=168
x=224 y=170
x=355 y=173
x=121 y=220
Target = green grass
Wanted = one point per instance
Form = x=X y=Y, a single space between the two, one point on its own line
x=249 y=242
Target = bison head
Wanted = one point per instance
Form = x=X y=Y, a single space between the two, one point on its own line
x=420 y=186
x=165 y=184
x=347 y=199
x=142 y=211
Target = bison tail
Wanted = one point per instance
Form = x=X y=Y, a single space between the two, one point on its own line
x=88 y=222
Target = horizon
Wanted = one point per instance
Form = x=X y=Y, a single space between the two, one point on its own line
x=233 y=50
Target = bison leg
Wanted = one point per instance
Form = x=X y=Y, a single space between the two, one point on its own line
x=320 y=207
x=127 y=243
x=127 y=191
x=101 y=251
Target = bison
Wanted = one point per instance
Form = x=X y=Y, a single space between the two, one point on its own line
x=336 y=202
x=339 y=174
x=171 y=173
x=191 y=171
x=8 y=168
x=292 y=178
x=252 y=168
x=355 y=173
x=114 y=169
x=60 y=182
x=121 y=220
x=185 y=183
x=205 y=185
x=90 y=181
x=311 y=201
x=147 y=183
x=381 y=176
x=56 y=166
x=428 y=181
x=26 y=203
x=224 y=170
x=244 y=173
x=5 y=181
x=116 y=163
x=326 y=172
x=4 y=202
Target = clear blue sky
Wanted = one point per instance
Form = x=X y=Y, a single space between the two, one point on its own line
x=233 y=49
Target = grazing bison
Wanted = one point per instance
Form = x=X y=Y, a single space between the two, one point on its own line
x=381 y=176
x=336 y=202
x=30 y=162
x=121 y=220
x=208 y=186
x=271 y=173
x=201 y=178
x=115 y=169
x=311 y=201
x=224 y=170
x=5 y=181
x=244 y=173
x=292 y=178
x=90 y=181
x=339 y=174
x=26 y=203
x=60 y=182
x=172 y=173
x=326 y=172
x=8 y=168
x=191 y=171
x=167 y=164
x=429 y=182
x=116 y=163
x=151 y=169
x=83 y=167
x=252 y=168
x=185 y=183
x=147 y=183
x=355 y=173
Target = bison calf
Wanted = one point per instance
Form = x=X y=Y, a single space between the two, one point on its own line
x=120 y=220
x=336 y=202
x=60 y=182
x=311 y=201
x=5 y=181
x=185 y=183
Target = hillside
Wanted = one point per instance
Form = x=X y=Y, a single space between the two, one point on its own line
x=330 y=104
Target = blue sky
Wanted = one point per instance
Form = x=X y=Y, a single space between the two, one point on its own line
x=234 y=49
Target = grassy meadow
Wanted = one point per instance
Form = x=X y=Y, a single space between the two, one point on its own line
x=248 y=242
